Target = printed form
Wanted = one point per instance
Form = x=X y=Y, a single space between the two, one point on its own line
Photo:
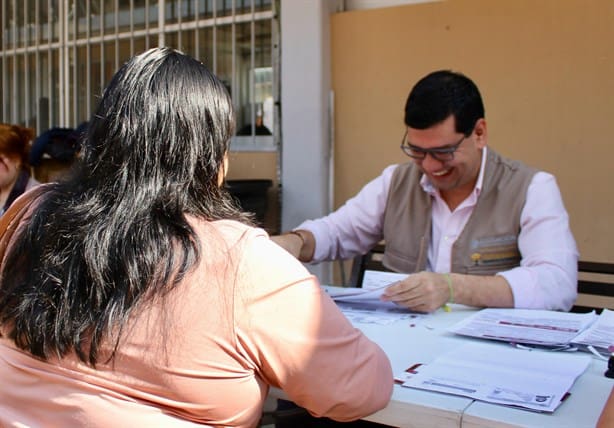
x=527 y=326
x=528 y=379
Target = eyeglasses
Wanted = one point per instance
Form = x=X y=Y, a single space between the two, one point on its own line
x=442 y=154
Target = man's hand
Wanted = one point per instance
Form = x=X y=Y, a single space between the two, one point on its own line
x=428 y=291
x=423 y=292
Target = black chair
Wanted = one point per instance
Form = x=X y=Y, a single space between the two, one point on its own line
x=595 y=287
x=370 y=261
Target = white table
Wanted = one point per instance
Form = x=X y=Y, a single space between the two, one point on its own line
x=406 y=345
x=580 y=410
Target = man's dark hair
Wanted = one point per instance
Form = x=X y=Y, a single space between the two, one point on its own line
x=440 y=94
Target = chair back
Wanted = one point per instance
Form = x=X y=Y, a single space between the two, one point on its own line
x=370 y=261
x=595 y=287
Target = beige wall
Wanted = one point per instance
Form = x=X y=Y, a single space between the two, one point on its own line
x=546 y=72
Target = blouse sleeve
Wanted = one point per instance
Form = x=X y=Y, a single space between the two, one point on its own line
x=301 y=342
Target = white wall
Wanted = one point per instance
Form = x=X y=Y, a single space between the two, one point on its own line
x=305 y=121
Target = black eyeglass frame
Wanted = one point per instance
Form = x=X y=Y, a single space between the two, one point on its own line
x=442 y=154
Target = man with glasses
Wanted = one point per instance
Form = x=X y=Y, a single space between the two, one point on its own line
x=469 y=225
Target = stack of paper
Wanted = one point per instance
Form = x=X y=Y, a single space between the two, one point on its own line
x=363 y=305
x=536 y=380
x=600 y=334
x=540 y=327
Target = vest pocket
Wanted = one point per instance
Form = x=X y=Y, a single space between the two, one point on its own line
x=490 y=259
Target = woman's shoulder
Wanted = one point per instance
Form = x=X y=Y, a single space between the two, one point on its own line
x=231 y=231
x=251 y=248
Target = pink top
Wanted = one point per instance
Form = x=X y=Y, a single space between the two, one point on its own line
x=247 y=317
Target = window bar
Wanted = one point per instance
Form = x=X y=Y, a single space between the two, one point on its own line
x=178 y=5
x=14 y=117
x=72 y=120
x=197 y=21
x=26 y=63
x=233 y=52
x=88 y=62
x=252 y=75
x=116 y=42
x=63 y=63
x=161 y=12
x=4 y=72
x=37 y=65
x=214 y=37
x=102 y=50
x=50 y=100
x=131 y=28
x=146 y=24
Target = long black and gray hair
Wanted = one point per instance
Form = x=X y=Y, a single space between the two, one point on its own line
x=114 y=233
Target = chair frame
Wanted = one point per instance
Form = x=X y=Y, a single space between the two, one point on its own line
x=372 y=260
x=595 y=290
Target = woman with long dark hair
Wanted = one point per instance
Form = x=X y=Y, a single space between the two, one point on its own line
x=134 y=292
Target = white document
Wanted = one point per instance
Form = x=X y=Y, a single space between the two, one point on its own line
x=375 y=279
x=529 y=379
x=525 y=326
x=382 y=313
x=361 y=305
x=355 y=294
x=374 y=283
x=600 y=334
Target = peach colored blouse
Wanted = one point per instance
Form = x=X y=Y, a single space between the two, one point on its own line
x=248 y=316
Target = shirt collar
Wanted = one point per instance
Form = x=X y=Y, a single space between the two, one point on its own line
x=428 y=187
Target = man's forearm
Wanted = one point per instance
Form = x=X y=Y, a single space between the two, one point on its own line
x=482 y=291
x=300 y=243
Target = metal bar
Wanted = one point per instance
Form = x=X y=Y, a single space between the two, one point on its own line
x=37 y=66
x=178 y=5
x=146 y=24
x=88 y=60
x=75 y=71
x=161 y=24
x=14 y=118
x=50 y=110
x=4 y=72
x=252 y=74
x=233 y=58
x=26 y=63
x=214 y=36
x=196 y=30
x=131 y=28
x=116 y=21
x=64 y=63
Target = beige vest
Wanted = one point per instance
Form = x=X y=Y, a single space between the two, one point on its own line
x=489 y=242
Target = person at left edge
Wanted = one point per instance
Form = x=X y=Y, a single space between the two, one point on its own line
x=15 y=175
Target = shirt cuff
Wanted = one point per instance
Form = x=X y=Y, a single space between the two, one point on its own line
x=520 y=280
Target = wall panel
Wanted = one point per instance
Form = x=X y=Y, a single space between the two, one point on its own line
x=545 y=69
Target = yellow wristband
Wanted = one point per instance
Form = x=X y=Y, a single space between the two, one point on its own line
x=450 y=289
